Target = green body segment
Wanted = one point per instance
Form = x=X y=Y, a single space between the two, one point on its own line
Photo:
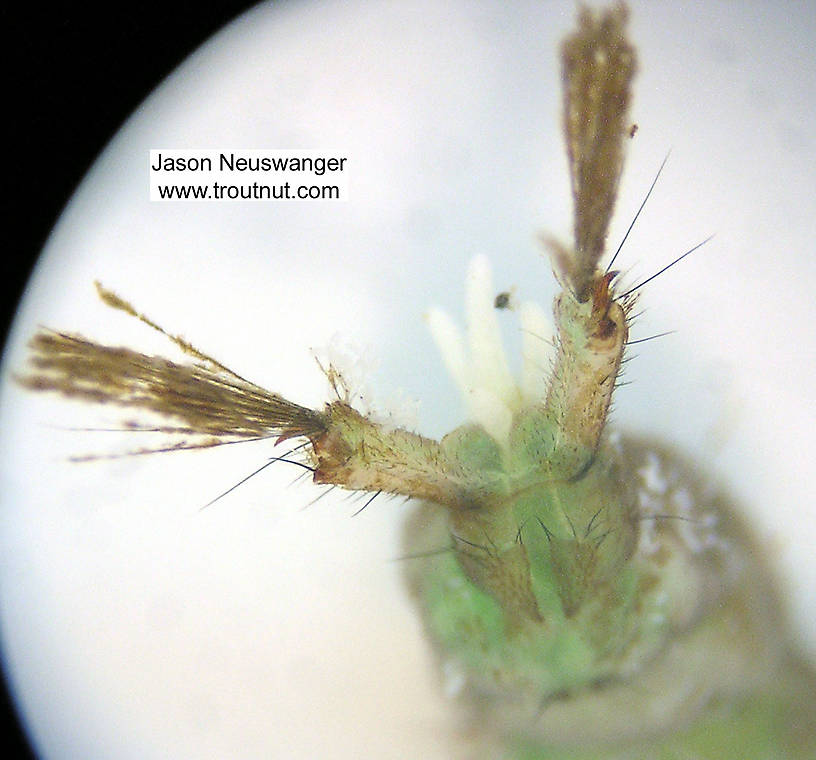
x=567 y=544
x=660 y=649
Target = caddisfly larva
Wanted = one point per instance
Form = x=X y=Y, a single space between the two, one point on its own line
x=586 y=593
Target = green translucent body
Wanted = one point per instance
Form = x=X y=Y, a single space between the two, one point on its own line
x=584 y=594
x=671 y=644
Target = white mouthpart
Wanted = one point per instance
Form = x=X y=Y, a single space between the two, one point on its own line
x=478 y=363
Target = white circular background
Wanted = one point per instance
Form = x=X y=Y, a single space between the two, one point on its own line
x=135 y=625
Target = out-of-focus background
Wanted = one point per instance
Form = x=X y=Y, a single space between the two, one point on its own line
x=135 y=625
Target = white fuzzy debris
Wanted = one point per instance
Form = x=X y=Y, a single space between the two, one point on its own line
x=652 y=503
x=652 y=474
x=348 y=368
x=684 y=501
x=649 y=541
x=667 y=508
x=477 y=361
x=395 y=410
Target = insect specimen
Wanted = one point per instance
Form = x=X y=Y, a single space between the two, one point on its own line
x=586 y=593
